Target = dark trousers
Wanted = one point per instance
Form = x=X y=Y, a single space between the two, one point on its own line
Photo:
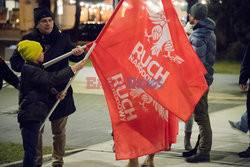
x=201 y=116
x=248 y=107
x=30 y=139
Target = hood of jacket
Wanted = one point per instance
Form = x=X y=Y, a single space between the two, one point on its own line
x=206 y=24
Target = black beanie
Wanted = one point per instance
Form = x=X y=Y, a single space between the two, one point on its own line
x=198 y=11
x=40 y=13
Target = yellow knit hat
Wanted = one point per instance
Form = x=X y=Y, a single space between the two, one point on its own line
x=30 y=50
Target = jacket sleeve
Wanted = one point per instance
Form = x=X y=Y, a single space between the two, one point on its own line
x=8 y=75
x=16 y=60
x=70 y=46
x=245 y=67
x=200 y=48
x=52 y=79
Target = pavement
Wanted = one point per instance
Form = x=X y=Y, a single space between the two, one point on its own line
x=225 y=98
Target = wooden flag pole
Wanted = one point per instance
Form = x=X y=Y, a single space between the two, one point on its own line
x=67 y=86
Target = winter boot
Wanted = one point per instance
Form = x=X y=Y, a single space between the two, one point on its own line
x=245 y=154
x=193 y=151
x=199 y=157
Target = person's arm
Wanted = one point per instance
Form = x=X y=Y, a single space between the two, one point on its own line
x=8 y=75
x=42 y=77
x=200 y=48
x=16 y=61
x=245 y=69
x=243 y=86
x=59 y=95
x=77 y=53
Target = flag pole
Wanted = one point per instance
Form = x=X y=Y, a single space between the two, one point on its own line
x=67 y=86
x=53 y=61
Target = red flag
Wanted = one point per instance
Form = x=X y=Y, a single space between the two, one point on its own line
x=150 y=74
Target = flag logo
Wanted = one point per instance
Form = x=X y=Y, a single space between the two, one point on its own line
x=161 y=34
x=145 y=99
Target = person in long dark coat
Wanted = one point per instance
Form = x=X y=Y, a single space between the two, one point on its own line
x=244 y=76
x=54 y=44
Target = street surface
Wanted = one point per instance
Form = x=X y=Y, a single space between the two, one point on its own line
x=90 y=124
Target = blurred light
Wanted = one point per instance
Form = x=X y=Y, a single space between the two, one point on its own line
x=72 y=1
x=81 y=3
x=183 y=3
x=60 y=7
x=204 y=2
x=125 y=4
x=176 y=3
x=110 y=7
x=82 y=12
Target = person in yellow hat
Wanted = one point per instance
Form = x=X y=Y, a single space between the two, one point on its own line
x=37 y=85
x=55 y=43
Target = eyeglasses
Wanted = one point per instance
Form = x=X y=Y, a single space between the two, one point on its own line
x=44 y=21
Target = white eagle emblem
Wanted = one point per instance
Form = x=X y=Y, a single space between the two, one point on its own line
x=146 y=99
x=160 y=33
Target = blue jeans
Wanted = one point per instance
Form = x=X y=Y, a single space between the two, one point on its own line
x=30 y=139
x=243 y=123
x=189 y=124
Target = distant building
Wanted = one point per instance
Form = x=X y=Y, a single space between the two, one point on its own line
x=17 y=15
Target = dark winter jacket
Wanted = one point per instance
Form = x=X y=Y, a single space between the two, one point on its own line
x=54 y=45
x=245 y=67
x=203 y=41
x=36 y=85
x=7 y=75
